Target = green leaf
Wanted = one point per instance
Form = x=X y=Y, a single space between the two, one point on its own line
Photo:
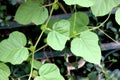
x=103 y=7
x=49 y=72
x=83 y=3
x=56 y=40
x=87 y=47
x=31 y=11
x=12 y=49
x=4 y=71
x=79 y=22
x=37 y=64
x=117 y=16
x=92 y=76
x=60 y=34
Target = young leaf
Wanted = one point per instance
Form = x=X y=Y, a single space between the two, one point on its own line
x=35 y=73
x=37 y=64
x=83 y=3
x=87 y=47
x=117 y=16
x=60 y=34
x=12 y=49
x=31 y=11
x=79 y=22
x=4 y=71
x=103 y=7
x=49 y=72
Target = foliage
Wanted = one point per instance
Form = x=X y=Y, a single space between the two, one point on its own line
x=49 y=72
x=88 y=44
x=117 y=16
x=59 y=36
x=4 y=71
x=28 y=8
x=107 y=6
x=83 y=41
x=14 y=49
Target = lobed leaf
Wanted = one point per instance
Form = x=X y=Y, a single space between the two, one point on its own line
x=12 y=49
x=31 y=11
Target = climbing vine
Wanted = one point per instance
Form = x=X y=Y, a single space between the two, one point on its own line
x=84 y=42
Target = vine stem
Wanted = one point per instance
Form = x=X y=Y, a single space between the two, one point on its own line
x=50 y=15
x=107 y=35
x=101 y=23
x=98 y=28
x=50 y=4
x=38 y=39
x=46 y=26
x=41 y=48
x=31 y=69
x=32 y=61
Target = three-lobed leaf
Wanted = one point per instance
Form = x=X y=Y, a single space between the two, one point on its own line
x=4 y=72
x=31 y=11
x=59 y=35
x=103 y=7
x=83 y=3
x=49 y=72
x=86 y=46
x=117 y=16
x=12 y=49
